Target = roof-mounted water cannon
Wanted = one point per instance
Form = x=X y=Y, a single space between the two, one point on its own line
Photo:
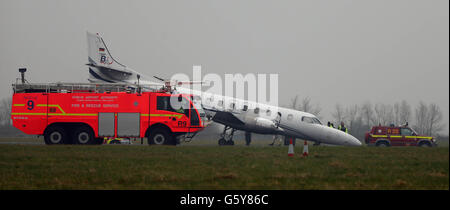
x=168 y=84
x=139 y=87
x=22 y=74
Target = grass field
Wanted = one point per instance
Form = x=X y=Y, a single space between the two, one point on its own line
x=213 y=167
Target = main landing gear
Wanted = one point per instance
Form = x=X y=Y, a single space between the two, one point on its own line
x=226 y=139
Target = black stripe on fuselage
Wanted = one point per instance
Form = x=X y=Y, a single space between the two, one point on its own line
x=92 y=72
x=300 y=134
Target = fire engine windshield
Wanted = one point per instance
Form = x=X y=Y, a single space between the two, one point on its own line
x=197 y=101
x=411 y=131
x=173 y=104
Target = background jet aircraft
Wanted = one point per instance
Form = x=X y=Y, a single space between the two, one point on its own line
x=235 y=114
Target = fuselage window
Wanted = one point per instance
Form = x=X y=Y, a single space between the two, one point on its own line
x=290 y=116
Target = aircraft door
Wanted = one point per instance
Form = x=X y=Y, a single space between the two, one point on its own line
x=278 y=119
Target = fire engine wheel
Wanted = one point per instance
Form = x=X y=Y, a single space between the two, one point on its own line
x=83 y=135
x=160 y=137
x=55 y=135
x=424 y=144
x=382 y=144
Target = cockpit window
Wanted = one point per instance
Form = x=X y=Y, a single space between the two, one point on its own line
x=311 y=120
x=317 y=121
x=307 y=120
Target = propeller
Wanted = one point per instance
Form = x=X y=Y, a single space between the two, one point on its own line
x=159 y=78
x=170 y=83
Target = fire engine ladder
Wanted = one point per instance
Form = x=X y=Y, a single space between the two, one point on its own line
x=83 y=87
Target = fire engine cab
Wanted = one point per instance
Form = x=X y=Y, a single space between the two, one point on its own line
x=384 y=136
x=85 y=113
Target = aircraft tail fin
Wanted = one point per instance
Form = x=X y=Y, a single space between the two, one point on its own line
x=102 y=66
x=98 y=53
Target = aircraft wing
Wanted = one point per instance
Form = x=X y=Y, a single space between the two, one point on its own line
x=227 y=118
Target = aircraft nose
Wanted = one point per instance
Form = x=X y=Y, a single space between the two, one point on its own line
x=337 y=137
x=350 y=140
x=355 y=142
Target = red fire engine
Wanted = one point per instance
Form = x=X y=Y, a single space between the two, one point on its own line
x=85 y=113
x=383 y=136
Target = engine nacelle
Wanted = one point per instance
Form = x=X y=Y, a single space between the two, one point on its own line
x=265 y=123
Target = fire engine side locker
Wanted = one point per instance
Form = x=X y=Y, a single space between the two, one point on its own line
x=125 y=121
x=106 y=124
x=128 y=124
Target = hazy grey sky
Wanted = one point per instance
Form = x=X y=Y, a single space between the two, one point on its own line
x=334 y=51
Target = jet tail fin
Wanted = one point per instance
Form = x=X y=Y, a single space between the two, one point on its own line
x=102 y=66
x=99 y=55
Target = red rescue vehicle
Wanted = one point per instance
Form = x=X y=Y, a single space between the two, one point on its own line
x=85 y=113
x=384 y=136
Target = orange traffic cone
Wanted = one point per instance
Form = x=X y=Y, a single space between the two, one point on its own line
x=291 y=148
x=305 y=149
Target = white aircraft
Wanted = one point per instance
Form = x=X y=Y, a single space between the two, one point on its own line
x=235 y=114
